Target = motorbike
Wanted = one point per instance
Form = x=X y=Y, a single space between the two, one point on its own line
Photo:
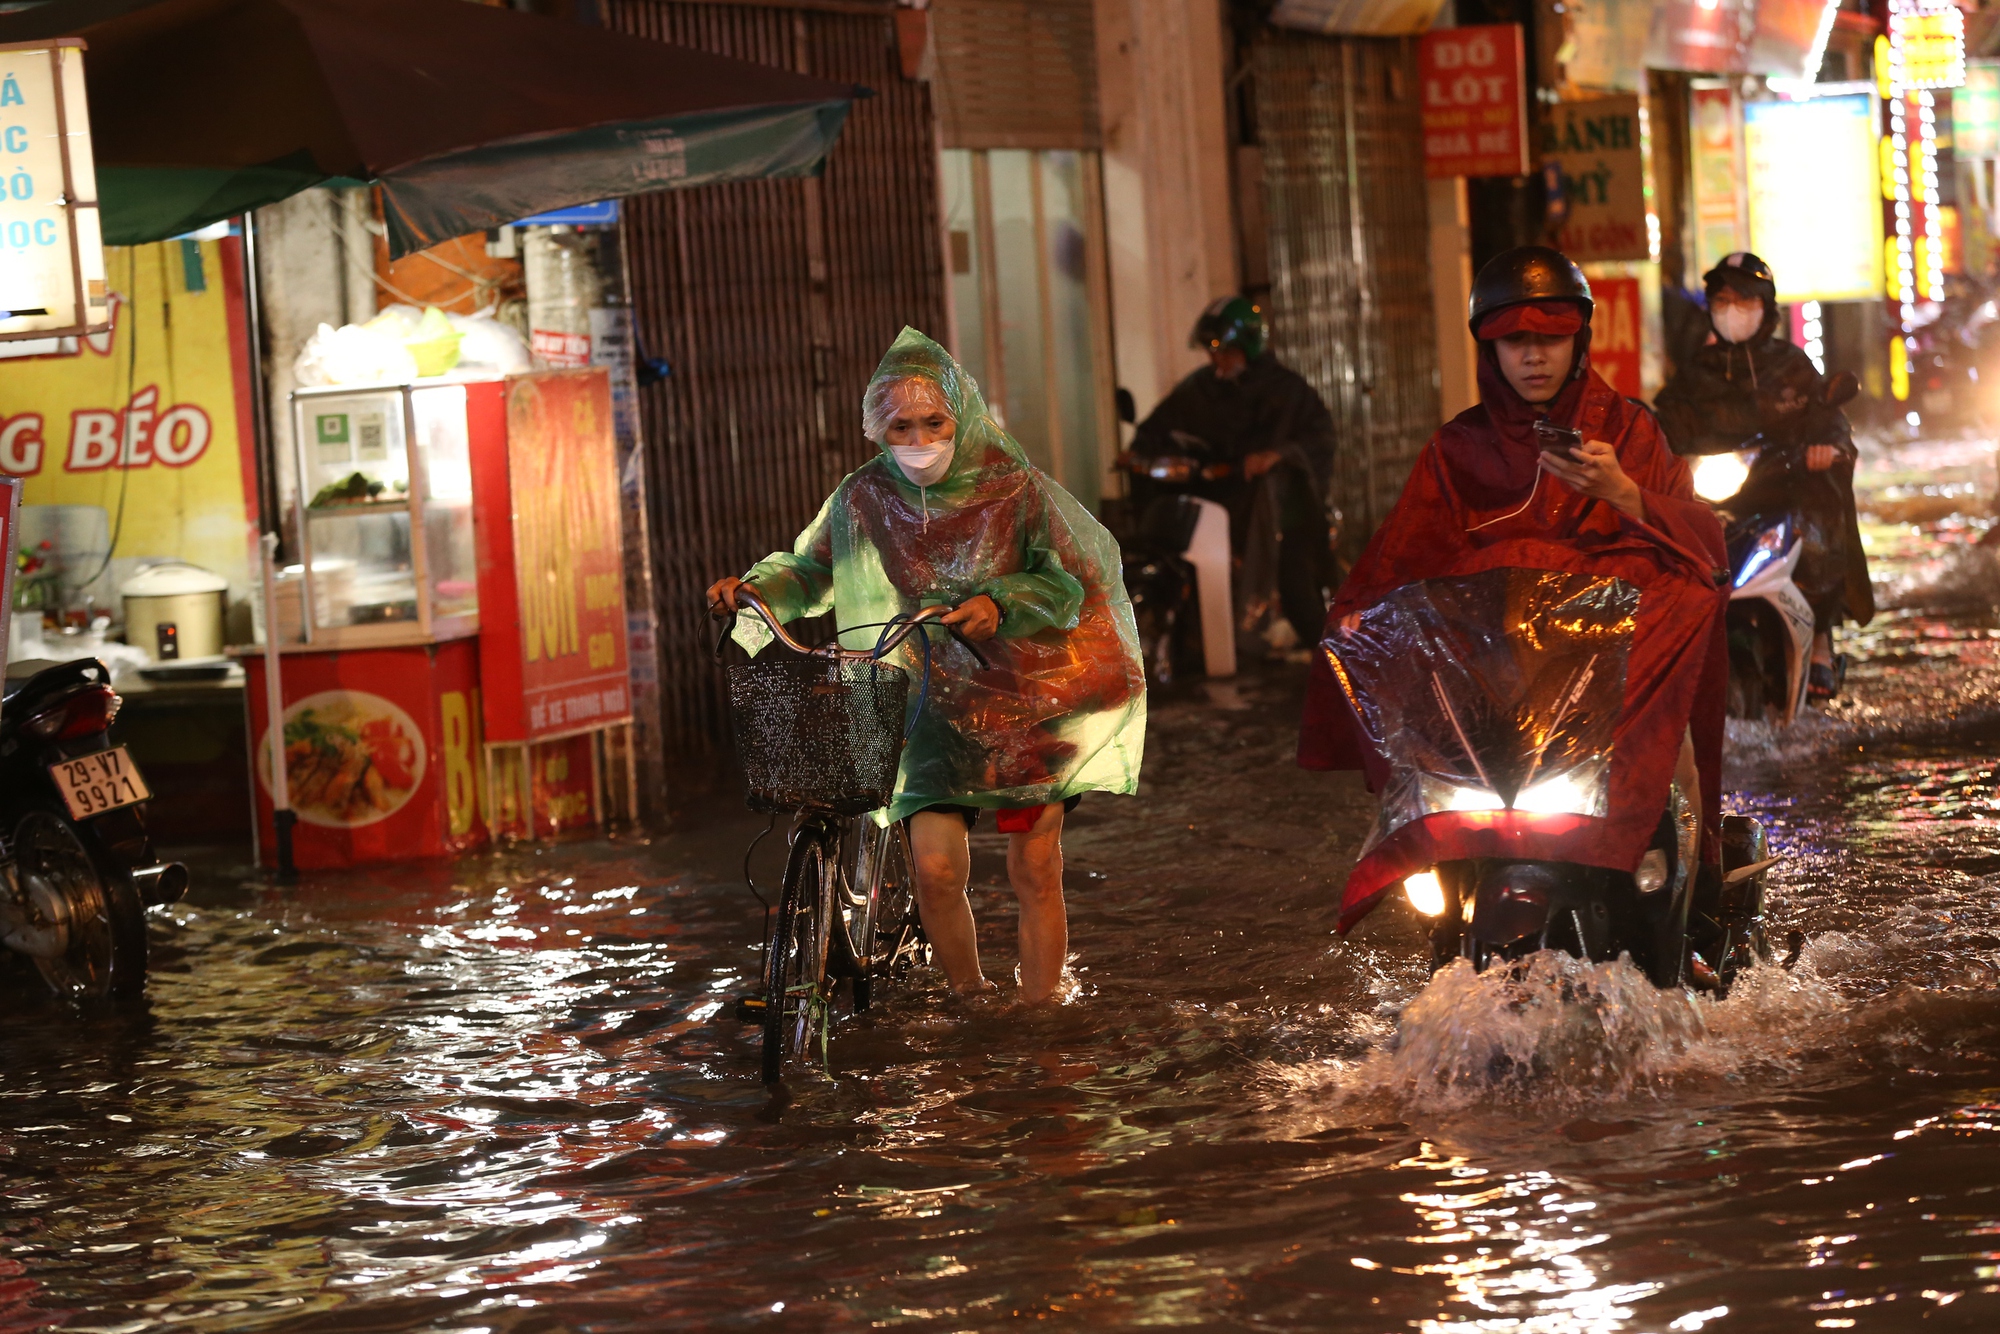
x=1756 y=492
x=1178 y=564
x=1495 y=699
x=77 y=865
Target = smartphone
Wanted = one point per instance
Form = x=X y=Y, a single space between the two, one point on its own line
x=1557 y=440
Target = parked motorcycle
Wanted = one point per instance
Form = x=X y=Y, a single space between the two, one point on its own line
x=1757 y=490
x=77 y=866
x=1495 y=699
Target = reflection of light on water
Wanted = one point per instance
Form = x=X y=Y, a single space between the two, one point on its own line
x=1517 y=1256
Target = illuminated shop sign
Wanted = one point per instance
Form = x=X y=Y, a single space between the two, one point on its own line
x=51 y=255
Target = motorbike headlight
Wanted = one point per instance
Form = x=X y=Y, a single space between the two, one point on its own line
x=1440 y=795
x=1425 y=893
x=1561 y=795
x=1717 y=477
x=1652 y=872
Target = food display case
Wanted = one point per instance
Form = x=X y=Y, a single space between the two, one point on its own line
x=383 y=518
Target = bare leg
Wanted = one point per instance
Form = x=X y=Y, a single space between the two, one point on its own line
x=944 y=864
x=1035 y=869
x=1822 y=649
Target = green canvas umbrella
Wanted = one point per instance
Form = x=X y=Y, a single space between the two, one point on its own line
x=467 y=116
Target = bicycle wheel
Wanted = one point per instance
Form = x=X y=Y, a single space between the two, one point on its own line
x=795 y=957
x=899 y=941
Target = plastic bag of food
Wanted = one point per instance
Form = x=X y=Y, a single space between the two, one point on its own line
x=490 y=345
x=353 y=354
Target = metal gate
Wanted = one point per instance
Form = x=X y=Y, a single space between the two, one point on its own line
x=1350 y=303
x=772 y=301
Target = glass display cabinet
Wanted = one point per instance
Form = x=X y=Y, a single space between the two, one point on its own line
x=384 y=516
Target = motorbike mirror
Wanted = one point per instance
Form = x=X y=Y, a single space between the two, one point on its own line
x=1128 y=408
x=1841 y=388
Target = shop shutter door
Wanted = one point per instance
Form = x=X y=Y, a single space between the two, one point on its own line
x=1016 y=73
x=772 y=301
x=1350 y=295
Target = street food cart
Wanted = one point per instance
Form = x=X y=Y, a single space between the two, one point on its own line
x=451 y=637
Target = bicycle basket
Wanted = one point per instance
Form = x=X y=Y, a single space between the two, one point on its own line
x=815 y=732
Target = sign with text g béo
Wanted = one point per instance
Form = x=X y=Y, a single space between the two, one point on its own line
x=1475 y=101
x=1596 y=144
x=51 y=254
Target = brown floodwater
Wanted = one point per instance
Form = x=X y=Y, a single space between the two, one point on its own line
x=510 y=1094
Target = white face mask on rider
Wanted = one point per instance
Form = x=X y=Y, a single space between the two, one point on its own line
x=1737 y=323
x=924 y=465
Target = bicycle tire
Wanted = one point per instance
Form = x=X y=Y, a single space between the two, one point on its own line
x=900 y=944
x=795 y=956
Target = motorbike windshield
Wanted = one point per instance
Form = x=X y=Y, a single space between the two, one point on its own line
x=1496 y=691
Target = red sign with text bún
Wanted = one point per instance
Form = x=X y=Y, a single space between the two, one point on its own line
x=1474 y=101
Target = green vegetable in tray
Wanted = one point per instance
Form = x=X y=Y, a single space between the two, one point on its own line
x=354 y=489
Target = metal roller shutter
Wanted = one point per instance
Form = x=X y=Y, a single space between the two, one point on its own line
x=772 y=301
x=1350 y=296
x=1016 y=73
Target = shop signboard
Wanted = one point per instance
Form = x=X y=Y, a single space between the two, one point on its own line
x=381 y=753
x=1715 y=151
x=51 y=250
x=551 y=559
x=1614 y=333
x=1815 y=199
x=1595 y=145
x=1474 y=101
x=145 y=418
x=1813 y=195
x=1924 y=47
x=1975 y=112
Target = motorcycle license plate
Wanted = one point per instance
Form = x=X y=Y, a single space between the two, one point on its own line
x=96 y=783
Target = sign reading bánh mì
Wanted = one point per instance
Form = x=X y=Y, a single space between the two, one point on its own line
x=1596 y=144
x=51 y=254
x=1474 y=101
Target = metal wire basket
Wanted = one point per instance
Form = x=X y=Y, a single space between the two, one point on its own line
x=819 y=733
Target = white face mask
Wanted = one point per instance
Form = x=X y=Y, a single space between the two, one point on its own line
x=924 y=465
x=1738 y=324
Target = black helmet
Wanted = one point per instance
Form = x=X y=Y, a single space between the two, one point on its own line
x=1230 y=321
x=1527 y=273
x=1744 y=272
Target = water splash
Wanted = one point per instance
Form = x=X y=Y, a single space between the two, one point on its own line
x=1554 y=1031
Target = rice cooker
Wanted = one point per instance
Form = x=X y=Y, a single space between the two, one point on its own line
x=173 y=610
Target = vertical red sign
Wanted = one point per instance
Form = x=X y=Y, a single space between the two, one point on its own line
x=552 y=562
x=1475 y=101
x=1614 y=333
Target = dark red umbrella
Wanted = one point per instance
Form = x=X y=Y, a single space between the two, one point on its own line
x=467 y=116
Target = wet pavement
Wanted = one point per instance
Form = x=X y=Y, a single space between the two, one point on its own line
x=509 y=1094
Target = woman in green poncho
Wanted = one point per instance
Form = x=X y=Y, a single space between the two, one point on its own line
x=951 y=512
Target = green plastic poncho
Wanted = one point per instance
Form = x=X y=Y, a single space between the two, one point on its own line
x=1062 y=708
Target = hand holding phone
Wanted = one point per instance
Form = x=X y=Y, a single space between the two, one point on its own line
x=1557 y=440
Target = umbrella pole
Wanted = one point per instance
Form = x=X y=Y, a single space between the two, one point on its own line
x=282 y=815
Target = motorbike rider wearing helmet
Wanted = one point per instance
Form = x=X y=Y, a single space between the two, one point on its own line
x=1746 y=381
x=1247 y=410
x=1486 y=480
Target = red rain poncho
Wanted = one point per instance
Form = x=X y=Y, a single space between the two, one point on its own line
x=1476 y=469
x=1062 y=709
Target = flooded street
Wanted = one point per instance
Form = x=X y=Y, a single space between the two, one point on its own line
x=510 y=1094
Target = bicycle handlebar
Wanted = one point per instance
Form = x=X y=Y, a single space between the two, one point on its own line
x=900 y=629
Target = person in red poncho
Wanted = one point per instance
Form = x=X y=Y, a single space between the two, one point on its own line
x=1484 y=493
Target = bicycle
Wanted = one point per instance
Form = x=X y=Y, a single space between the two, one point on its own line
x=821 y=735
